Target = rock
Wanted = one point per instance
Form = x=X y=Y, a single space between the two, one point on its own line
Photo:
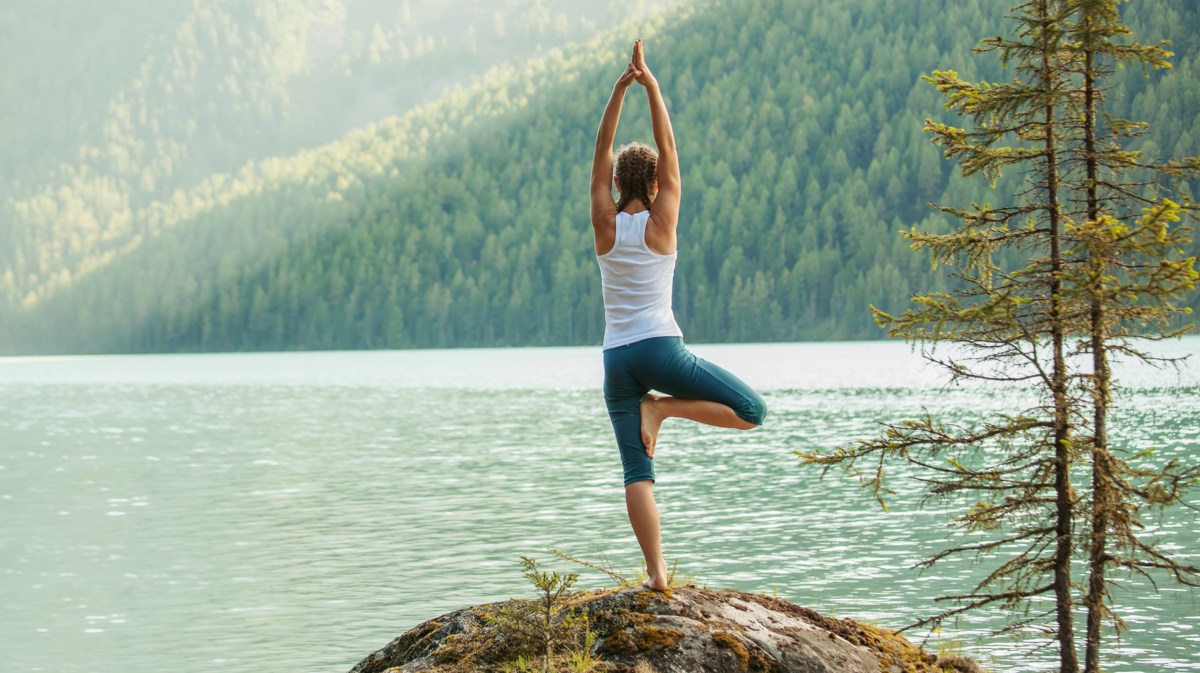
x=686 y=630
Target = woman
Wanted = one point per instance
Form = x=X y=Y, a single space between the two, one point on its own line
x=643 y=345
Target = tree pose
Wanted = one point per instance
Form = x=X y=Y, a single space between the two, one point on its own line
x=643 y=346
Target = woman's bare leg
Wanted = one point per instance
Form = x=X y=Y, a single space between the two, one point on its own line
x=643 y=514
x=657 y=409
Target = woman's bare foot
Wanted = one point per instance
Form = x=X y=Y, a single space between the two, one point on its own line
x=652 y=420
x=655 y=583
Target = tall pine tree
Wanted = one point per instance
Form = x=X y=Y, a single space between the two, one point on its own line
x=1129 y=272
x=1007 y=322
x=1089 y=261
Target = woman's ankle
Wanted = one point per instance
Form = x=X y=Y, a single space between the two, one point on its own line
x=658 y=572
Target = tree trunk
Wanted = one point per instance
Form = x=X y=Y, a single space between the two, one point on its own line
x=547 y=624
x=1101 y=497
x=1064 y=496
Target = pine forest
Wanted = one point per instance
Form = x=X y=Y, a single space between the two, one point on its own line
x=299 y=178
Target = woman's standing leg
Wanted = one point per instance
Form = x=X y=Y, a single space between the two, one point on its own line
x=643 y=515
x=622 y=395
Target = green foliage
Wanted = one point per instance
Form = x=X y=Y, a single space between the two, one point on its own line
x=104 y=116
x=603 y=566
x=1090 y=258
x=545 y=635
x=463 y=222
x=1132 y=270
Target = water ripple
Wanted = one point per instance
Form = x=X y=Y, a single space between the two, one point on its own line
x=299 y=510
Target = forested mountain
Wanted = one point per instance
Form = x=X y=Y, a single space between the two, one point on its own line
x=111 y=106
x=464 y=220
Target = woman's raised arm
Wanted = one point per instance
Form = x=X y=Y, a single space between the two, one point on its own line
x=604 y=209
x=670 y=184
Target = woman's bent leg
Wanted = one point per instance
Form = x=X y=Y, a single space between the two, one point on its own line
x=656 y=409
x=699 y=390
x=643 y=515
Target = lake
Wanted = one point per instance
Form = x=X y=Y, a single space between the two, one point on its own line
x=295 y=511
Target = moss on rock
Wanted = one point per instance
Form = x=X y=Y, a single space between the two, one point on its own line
x=730 y=642
x=688 y=630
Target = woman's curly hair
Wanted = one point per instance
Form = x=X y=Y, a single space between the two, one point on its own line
x=637 y=169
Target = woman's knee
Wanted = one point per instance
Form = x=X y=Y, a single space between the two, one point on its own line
x=753 y=410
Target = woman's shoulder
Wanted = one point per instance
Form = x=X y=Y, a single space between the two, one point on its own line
x=604 y=232
x=661 y=234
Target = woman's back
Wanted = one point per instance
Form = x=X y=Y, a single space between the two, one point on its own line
x=637 y=284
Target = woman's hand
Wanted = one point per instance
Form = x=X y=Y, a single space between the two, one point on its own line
x=638 y=63
x=628 y=77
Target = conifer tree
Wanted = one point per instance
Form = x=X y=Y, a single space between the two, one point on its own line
x=1091 y=257
x=1008 y=323
x=1131 y=270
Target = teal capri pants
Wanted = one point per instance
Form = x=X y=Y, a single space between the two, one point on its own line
x=666 y=365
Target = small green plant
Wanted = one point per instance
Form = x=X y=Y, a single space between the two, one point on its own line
x=604 y=566
x=950 y=647
x=582 y=661
x=546 y=635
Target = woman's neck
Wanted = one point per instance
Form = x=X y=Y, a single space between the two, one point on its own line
x=635 y=206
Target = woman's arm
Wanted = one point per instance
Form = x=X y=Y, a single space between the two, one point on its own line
x=603 y=206
x=670 y=185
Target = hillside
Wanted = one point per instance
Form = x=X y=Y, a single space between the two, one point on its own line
x=463 y=222
x=104 y=115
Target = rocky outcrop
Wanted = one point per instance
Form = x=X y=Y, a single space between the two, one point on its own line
x=686 y=630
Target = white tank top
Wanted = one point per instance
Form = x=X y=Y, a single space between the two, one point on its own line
x=637 y=286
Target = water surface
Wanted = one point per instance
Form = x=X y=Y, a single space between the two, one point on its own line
x=295 y=511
